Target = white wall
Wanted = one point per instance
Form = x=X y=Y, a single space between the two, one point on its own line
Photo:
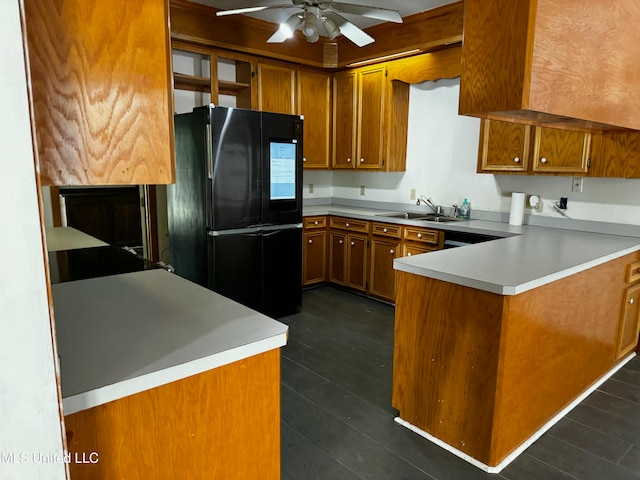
x=442 y=154
x=28 y=397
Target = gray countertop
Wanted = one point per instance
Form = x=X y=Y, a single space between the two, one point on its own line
x=124 y=334
x=525 y=258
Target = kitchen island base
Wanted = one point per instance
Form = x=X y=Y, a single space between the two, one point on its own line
x=221 y=424
x=527 y=443
x=483 y=372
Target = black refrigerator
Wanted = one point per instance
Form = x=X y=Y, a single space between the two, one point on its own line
x=235 y=210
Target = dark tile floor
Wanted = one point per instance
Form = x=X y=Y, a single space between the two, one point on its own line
x=337 y=420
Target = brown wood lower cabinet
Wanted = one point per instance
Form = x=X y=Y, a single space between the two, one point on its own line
x=220 y=424
x=314 y=250
x=630 y=313
x=383 y=276
x=348 y=252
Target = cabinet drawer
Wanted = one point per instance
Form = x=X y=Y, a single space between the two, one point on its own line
x=386 y=230
x=350 y=224
x=315 y=222
x=633 y=274
x=410 y=250
x=423 y=235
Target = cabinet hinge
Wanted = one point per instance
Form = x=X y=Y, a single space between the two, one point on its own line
x=383 y=162
x=367 y=243
x=588 y=162
x=254 y=73
x=386 y=72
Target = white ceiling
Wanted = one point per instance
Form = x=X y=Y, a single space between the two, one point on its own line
x=404 y=7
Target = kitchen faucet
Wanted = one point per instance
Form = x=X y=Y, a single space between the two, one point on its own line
x=437 y=209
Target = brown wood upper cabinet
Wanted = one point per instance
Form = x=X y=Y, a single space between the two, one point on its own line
x=101 y=91
x=276 y=88
x=529 y=60
x=507 y=147
x=314 y=102
x=370 y=120
x=615 y=155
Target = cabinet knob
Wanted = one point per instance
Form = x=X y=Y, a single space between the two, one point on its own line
x=543 y=160
x=516 y=159
x=384 y=230
x=409 y=254
x=631 y=301
x=346 y=224
x=340 y=242
x=353 y=243
x=362 y=160
x=316 y=222
x=348 y=160
x=419 y=235
x=391 y=252
x=304 y=159
x=310 y=241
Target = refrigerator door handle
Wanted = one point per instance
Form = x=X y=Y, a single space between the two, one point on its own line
x=208 y=150
x=278 y=228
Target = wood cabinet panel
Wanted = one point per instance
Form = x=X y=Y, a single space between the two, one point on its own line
x=408 y=250
x=350 y=224
x=357 y=261
x=560 y=151
x=629 y=322
x=276 y=89
x=504 y=146
x=423 y=235
x=386 y=229
x=615 y=155
x=314 y=248
x=314 y=102
x=344 y=119
x=371 y=103
x=220 y=424
x=314 y=222
x=382 y=276
x=338 y=258
x=100 y=85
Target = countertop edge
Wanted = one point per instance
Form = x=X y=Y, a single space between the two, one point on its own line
x=108 y=393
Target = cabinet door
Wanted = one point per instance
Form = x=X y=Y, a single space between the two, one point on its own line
x=615 y=155
x=504 y=147
x=338 y=258
x=560 y=151
x=344 y=119
x=357 y=262
x=314 y=257
x=276 y=89
x=314 y=102
x=382 y=279
x=629 y=322
x=408 y=250
x=371 y=95
x=101 y=89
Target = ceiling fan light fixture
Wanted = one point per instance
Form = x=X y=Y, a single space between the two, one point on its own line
x=310 y=27
x=330 y=27
x=290 y=25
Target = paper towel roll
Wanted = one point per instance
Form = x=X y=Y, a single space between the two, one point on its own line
x=516 y=214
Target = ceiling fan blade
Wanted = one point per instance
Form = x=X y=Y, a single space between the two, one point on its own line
x=350 y=31
x=236 y=11
x=277 y=37
x=368 y=12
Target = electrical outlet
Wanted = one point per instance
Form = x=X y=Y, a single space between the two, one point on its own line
x=412 y=194
x=362 y=190
x=311 y=188
x=577 y=184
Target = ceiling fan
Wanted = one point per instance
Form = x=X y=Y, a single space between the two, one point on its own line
x=325 y=13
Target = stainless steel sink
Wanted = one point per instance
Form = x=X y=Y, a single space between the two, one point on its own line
x=428 y=217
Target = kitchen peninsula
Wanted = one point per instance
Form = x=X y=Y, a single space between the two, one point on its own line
x=181 y=382
x=496 y=341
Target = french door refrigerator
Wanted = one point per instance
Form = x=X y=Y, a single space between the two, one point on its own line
x=235 y=210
